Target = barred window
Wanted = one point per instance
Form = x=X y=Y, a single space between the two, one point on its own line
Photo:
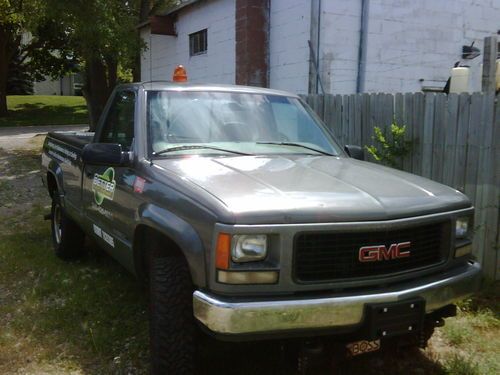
x=198 y=43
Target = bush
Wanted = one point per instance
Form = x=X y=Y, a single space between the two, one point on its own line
x=390 y=149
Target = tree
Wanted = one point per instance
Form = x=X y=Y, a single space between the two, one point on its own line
x=15 y=17
x=19 y=79
x=96 y=37
x=102 y=39
x=20 y=20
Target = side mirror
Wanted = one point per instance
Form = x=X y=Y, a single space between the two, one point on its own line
x=110 y=154
x=355 y=152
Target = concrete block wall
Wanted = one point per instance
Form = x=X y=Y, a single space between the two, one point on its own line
x=165 y=52
x=339 y=41
x=288 y=49
x=410 y=44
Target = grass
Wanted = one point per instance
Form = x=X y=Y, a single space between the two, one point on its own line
x=474 y=334
x=25 y=110
x=90 y=311
x=89 y=316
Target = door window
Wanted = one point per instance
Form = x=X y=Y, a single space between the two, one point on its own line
x=119 y=123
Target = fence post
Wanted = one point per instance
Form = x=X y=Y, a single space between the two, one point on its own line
x=489 y=64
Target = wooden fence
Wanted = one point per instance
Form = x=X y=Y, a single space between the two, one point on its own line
x=455 y=141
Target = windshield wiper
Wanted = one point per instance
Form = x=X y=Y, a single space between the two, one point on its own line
x=296 y=145
x=196 y=147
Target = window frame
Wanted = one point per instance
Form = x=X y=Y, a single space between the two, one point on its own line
x=201 y=38
x=112 y=106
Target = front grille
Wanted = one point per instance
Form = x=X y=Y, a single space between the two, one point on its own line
x=325 y=256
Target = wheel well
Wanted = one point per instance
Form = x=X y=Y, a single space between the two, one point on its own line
x=51 y=183
x=148 y=240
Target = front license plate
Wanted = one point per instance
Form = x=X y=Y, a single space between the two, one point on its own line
x=363 y=346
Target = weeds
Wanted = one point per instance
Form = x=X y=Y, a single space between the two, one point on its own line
x=458 y=365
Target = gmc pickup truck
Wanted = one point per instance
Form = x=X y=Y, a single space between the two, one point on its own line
x=247 y=220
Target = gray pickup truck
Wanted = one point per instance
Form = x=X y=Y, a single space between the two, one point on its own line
x=248 y=221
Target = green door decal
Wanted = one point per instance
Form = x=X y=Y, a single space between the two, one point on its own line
x=104 y=185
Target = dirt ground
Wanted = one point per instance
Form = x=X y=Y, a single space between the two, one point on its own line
x=99 y=325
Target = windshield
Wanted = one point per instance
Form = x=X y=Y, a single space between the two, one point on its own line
x=193 y=122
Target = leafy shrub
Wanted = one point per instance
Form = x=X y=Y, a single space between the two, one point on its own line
x=391 y=146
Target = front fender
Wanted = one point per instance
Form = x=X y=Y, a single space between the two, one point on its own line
x=179 y=231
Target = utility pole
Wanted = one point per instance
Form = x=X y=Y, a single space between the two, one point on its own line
x=489 y=64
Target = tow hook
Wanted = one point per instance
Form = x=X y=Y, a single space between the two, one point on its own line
x=47 y=216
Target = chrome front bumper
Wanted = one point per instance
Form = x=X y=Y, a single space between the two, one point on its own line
x=225 y=316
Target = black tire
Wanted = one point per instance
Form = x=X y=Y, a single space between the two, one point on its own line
x=67 y=237
x=172 y=326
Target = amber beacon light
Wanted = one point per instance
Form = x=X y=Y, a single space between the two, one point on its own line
x=180 y=74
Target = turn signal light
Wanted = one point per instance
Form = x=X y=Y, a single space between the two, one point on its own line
x=222 y=251
x=180 y=74
x=247 y=277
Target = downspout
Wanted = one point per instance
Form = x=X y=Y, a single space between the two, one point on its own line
x=360 y=79
x=150 y=56
x=318 y=81
x=314 y=45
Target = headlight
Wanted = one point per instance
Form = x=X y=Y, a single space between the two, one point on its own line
x=462 y=227
x=249 y=248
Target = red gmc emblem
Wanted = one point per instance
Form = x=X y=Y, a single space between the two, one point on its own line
x=381 y=252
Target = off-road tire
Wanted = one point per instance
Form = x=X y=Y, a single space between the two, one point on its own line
x=67 y=237
x=172 y=326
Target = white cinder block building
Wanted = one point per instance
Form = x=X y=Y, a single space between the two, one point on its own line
x=335 y=46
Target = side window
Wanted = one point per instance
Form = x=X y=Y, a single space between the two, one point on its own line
x=118 y=126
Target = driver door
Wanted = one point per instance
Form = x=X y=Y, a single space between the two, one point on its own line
x=108 y=190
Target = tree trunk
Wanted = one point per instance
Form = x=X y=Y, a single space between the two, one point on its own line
x=112 y=73
x=145 y=8
x=136 y=68
x=4 y=70
x=9 y=42
x=96 y=89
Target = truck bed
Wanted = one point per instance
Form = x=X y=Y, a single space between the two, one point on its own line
x=72 y=138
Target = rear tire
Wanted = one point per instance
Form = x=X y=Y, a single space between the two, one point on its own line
x=172 y=326
x=67 y=237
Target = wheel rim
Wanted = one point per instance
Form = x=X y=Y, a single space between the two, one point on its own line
x=56 y=218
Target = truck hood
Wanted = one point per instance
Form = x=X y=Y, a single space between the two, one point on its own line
x=302 y=189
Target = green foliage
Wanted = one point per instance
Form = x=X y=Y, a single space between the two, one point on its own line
x=457 y=333
x=458 y=365
x=18 y=14
x=391 y=147
x=19 y=80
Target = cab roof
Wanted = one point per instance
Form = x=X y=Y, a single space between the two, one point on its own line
x=174 y=86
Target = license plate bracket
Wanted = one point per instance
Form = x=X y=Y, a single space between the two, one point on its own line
x=394 y=318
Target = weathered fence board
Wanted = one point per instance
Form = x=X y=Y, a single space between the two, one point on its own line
x=438 y=137
x=461 y=145
x=418 y=119
x=450 y=140
x=427 y=153
x=455 y=140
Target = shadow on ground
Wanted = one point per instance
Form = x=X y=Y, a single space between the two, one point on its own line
x=45 y=114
